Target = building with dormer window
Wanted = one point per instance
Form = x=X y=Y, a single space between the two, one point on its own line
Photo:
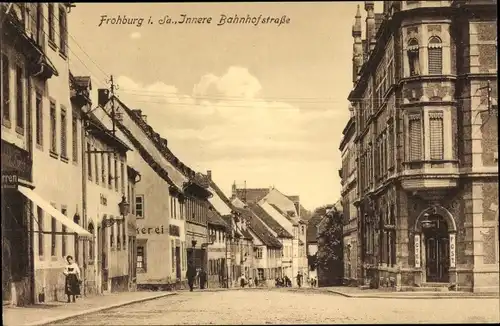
x=424 y=97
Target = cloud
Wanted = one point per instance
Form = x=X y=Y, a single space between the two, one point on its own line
x=135 y=35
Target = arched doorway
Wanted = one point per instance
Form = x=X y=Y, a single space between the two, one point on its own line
x=437 y=249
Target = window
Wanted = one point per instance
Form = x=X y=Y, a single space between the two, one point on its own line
x=19 y=98
x=415 y=126
x=390 y=146
x=89 y=162
x=5 y=89
x=435 y=53
x=116 y=176
x=91 y=243
x=413 y=57
x=39 y=213
x=63 y=236
x=53 y=230
x=64 y=140
x=141 y=259
x=103 y=169
x=63 y=33
x=112 y=236
x=110 y=177
x=96 y=165
x=53 y=130
x=119 y=234
x=436 y=135
x=139 y=206
x=74 y=132
x=258 y=253
x=172 y=254
x=122 y=176
x=39 y=119
x=260 y=273
x=52 y=23
x=124 y=235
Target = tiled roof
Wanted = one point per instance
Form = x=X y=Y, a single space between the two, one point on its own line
x=291 y=219
x=270 y=221
x=215 y=219
x=246 y=234
x=252 y=195
x=263 y=233
x=312 y=227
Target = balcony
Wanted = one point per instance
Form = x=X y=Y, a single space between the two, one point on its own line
x=429 y=175
x=24 y=32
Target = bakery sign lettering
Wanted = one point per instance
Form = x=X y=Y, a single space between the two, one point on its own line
x=173 y=230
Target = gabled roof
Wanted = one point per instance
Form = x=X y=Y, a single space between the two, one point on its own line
x=263 y=233
x=97 y=129
x=312 y=227
x=251 y=195
x=270 y=221
x=213 y=218
x=291 y=219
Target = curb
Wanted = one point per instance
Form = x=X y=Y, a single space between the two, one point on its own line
x=98 y=309
x=389 y=296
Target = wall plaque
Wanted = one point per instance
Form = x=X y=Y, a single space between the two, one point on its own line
x=417 y=250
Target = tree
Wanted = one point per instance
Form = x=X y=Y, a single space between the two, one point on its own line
x=329 y=258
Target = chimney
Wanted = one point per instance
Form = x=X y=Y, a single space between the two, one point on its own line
x=357 y=48
x=370 y=26
x=233 y=190
x=209 y=175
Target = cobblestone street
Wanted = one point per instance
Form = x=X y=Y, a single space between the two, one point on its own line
x=279 y=306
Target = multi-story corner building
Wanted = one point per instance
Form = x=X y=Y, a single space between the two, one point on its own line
x=425 y=89
x=349 y=195
x=38 y=211
x=265 y=212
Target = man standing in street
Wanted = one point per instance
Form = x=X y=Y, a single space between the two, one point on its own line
x=191 y=274
x=299 y=279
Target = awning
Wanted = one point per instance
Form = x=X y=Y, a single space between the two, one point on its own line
x=40 y=202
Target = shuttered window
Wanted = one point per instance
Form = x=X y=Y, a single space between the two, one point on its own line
x=435 y=53
x=390 y=145
x=415 y=142
x=436 y=135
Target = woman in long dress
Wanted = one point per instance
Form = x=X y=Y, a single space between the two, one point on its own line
x=72 y=273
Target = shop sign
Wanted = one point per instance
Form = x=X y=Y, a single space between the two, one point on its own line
x=150 y=230
x=452 y=251
x=417 y=250
x=9 y=180
x=16 y=159
x=174 y=230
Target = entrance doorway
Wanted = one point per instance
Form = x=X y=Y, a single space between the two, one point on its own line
x=437 y=252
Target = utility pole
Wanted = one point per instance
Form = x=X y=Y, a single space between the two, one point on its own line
x=112 y=89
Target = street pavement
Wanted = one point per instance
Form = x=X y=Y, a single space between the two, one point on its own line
x=291 y=306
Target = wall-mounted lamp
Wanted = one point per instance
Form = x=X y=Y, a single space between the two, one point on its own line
x=124 y=207
x=426 y=223
x=193 y=242
x=76 y=218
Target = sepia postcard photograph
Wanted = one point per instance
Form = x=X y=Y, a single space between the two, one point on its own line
x=249 y=163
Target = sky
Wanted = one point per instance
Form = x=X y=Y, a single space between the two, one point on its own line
x=258 y=104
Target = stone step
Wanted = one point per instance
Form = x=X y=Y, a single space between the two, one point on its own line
x=430 y=289
x=435 y=285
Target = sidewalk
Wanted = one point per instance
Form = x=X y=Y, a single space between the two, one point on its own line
x=354 y=292
x=41 y=314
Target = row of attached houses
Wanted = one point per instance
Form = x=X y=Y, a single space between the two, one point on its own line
x=93 y=180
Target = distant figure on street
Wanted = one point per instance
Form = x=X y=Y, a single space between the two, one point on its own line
x=299 y=279
x=242 y=281
x=257 y=281
x=191 y=275
x=288 y=282
x=203 y=278
x=250 y=282
x=72 y=273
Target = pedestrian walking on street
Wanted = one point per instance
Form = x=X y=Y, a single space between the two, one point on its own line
x=191 y=275
x=299 y=279
x=203 y=278
x=242 y=281
x=72 y=283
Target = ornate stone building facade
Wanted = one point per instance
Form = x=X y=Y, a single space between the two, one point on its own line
x=424 y=95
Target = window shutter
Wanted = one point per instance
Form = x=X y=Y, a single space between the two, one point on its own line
x=415 y=137
x=436 y=135
x=435 y=60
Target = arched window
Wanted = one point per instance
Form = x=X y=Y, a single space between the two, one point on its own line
x=91 y=242
x=435 y=51
x=413 y=57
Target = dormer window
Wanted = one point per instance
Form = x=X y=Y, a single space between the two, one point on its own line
x=435 y=53
x=413 y=57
